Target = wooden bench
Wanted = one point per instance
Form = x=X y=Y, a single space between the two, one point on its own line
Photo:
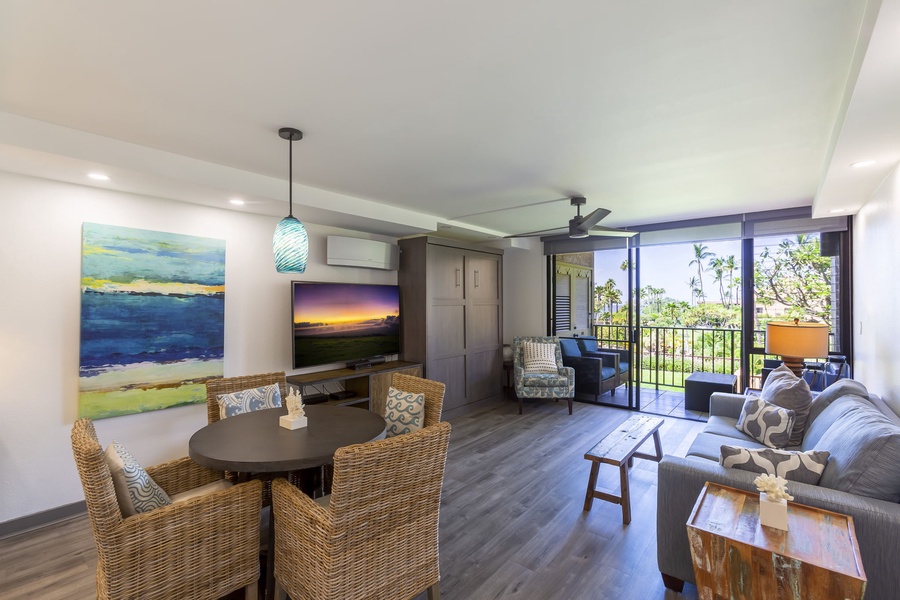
x=619 y=448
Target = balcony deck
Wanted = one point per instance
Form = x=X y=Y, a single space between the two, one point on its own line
x=669 y=403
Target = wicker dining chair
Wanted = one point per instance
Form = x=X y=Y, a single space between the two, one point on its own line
x=202 y=549
x=229 y=385
x=378 y=537
x=433 y=390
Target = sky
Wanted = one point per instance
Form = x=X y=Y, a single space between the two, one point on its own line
x=665 y=266
x=344 y=302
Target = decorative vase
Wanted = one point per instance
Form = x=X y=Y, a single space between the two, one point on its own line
x=773 y=513
x=507 y=353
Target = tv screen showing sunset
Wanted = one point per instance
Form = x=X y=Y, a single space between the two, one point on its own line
x=339 y=322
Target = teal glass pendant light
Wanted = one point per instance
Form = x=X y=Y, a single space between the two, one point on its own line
x=290 y=243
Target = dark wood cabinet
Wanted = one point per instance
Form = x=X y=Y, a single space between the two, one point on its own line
x=451 y=306
x=369 y=386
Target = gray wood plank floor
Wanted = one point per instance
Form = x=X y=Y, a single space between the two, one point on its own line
x=512 y=524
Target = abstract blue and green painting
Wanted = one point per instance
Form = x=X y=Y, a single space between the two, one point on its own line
x=152 y=319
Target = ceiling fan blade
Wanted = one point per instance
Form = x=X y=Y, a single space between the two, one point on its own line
x=601 y=231
x=537 y=233
x=592 y=219
x=487 y=212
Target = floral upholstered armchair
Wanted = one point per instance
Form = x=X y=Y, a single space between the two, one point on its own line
x=539 y=371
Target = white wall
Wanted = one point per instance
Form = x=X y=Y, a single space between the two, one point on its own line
x=524 y=291
x=40 y=256
x=876 y=291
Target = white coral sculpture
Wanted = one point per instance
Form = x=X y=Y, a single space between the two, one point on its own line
x=294 y=403
x=774 y=486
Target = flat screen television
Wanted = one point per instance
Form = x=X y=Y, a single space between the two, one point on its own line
x=342 y=322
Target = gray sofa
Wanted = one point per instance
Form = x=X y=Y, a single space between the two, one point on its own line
x=861 y=479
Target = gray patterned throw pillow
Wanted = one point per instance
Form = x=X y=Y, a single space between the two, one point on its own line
x=135 y=489
x=766 y=423
x=783 y=388
x=803 y=467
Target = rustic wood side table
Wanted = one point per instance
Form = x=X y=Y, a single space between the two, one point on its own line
x=737 y=558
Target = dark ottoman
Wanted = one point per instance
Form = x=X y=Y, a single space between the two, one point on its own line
x=698 y=387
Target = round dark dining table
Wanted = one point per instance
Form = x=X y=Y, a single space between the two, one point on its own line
x=254 y=442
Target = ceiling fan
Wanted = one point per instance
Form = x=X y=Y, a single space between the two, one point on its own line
x=580 y=226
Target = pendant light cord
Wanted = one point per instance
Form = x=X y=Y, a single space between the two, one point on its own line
x=290 y=177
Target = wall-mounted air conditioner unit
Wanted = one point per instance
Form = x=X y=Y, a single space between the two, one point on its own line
x=357 y=252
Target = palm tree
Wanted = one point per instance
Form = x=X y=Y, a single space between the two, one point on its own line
x=609 y=294
x=701 y=253
x=658 y=294
x=717 y=266
x=731 y=267
x=692 y=283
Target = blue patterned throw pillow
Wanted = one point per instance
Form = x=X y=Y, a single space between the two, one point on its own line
x=403 y=412
x=135 y=489
x=238 y=403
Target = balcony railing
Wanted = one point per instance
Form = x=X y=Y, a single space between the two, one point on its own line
x=669 y=354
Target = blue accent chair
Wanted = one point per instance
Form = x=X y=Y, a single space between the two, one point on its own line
x=595 y=374
x=542 y=385
x=616 y=358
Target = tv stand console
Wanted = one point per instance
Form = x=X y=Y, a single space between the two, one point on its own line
x=363 y=388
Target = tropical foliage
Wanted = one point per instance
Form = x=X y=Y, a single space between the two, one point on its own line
x=791 y=277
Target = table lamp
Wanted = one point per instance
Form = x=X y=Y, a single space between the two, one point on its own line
x=796 y=341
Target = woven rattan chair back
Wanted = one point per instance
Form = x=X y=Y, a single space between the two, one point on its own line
x=379 y=536
x=155 y=555
x=433 y=390
x=99 y=492
x=228 y=385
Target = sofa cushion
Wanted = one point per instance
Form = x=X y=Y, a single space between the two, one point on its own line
x=607 y=373
x=825 y=420
x=569 y=347
x=865 y=453
x=723 y=426
x=783 y=388
x=766 y=422
x=803 y=467
x=709 y=445
x=203 y=490
x=838 y=389
x=544 y=380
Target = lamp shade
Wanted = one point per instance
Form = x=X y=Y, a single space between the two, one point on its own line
x=801 y=340
x=290 y=244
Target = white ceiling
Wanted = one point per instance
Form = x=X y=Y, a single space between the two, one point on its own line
x=417 y=113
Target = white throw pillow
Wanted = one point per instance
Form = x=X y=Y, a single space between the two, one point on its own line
x=403 y=412
x=135 y=489
x=238 y=403
x=539 y=358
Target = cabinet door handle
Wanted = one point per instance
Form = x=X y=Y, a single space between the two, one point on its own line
x=457 y=276
x=476 y=278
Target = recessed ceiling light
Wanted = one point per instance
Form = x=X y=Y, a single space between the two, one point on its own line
x=98 y=176
x=837 y=210
x=237 y=202
x=862 y=163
